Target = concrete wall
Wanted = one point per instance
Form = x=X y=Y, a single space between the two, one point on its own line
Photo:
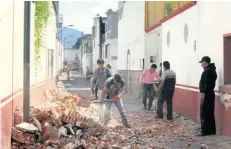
x=113 y=53
x=206 y=27
x=111 y=24
x=181 y=55
x=153 y=47
x=96 y=44
x=131 y=36
x=11 y=63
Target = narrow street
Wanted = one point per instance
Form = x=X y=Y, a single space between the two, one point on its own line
x=152 y=133
x=184 y=46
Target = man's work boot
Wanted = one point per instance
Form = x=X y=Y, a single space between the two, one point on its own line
x=149 y=108
x=145 y=107
x=159 y=117
x=127 y=126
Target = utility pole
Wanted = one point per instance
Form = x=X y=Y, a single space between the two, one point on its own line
x=100 y=37
x=26 y=62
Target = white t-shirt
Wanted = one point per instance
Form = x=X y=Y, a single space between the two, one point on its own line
x=167 y=73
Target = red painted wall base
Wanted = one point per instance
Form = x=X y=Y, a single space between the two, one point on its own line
x=187 y=102
x=7 y=111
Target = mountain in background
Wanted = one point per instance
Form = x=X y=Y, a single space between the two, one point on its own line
x=72 y=40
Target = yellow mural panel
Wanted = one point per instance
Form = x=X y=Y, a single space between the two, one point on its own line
x=159 y=10
x=182 y=3
x=151 y=13
x=156 y=10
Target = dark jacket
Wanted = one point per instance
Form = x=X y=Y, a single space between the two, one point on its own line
x=208 y=79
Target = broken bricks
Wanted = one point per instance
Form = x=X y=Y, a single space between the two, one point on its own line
x=68 y=126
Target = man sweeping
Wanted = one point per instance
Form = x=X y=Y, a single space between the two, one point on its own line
x=112 y=92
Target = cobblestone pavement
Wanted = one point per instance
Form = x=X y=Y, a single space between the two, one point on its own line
x=179 y=134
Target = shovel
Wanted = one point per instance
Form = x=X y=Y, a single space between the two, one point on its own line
x=99 y=101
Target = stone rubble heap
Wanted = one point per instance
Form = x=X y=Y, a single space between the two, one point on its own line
x=71 y=125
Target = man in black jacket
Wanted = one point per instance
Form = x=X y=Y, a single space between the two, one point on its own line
x=207 y=85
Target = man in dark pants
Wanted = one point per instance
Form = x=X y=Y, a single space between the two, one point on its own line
x=146 y=79
x=160 y=71
x=207 y=85
x=166 y=91
x=96 y=91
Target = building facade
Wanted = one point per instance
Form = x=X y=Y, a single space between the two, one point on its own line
x=11 y=61
x=110 y=45
x=131 y=43
x=155 y=13
x=189 y=33
x=95 y=39
x=86 y=54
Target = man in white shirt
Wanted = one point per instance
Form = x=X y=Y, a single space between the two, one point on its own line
x=166 y=91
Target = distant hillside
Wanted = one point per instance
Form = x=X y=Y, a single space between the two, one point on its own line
x=72 y=40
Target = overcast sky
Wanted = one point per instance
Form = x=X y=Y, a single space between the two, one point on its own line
x=81 y=13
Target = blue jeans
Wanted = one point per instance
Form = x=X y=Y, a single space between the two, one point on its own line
x=120 y=107
x=96 y=91
x=148 y=89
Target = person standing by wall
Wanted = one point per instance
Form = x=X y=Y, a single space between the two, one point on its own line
x=100 y=76
x=207 y=106
x=109 y=67
x=166 y=91
x=146 y=80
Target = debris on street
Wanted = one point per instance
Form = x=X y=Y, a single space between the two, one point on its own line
x=73 y=124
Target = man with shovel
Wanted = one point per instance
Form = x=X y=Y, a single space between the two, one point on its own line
x=112 y=92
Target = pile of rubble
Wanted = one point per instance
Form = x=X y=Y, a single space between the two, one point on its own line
x=57 y=127
x=73 y=124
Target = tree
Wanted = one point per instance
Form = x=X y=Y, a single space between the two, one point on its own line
x=77 y=44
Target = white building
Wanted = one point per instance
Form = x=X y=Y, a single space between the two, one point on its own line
x=11 y=62
x=131 y=43
x=110 y=45
x=86 y=55
x=70 y=55
x=95 y=34
x=199 y=29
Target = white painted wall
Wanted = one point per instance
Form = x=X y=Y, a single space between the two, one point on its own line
x=70 y=54
x=112 y=52
x=153 y=47
x=214 y=22
x=182 y=57
x=95 y=44
x=11 y=59
x=87 y=62
x=131 y=35
x=207 y=22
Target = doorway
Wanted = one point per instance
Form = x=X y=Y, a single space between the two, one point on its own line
x=227 y=59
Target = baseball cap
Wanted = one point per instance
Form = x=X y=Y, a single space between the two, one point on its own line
x=205 y=59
